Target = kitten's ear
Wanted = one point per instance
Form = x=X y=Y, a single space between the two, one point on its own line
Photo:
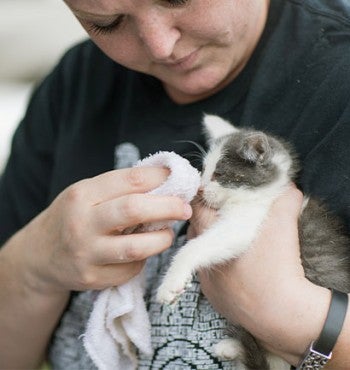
x=215 y=127
x=255 y=148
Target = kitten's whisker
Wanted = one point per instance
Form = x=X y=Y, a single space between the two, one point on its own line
x=198 y=146
x=195 y=155
x=199 y=200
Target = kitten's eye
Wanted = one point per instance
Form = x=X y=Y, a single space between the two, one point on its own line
x=216 y=175
x=98 y=29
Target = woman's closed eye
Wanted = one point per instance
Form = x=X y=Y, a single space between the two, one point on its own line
x=100 y=29
x=174 y=3
x=105 y=29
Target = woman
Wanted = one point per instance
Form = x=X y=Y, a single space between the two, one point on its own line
x=151 y=70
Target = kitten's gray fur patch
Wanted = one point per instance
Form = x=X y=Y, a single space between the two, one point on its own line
x=247 y=159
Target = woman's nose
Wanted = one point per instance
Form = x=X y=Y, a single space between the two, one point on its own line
x=158 y=36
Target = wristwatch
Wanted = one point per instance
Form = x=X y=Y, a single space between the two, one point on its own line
x=320 y=351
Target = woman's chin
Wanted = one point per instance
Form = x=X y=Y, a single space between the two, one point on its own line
x=193 y=88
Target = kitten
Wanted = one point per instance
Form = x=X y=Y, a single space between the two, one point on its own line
x=244 y=171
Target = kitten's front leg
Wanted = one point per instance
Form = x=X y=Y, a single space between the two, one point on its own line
x=179 y=273
x=218 y=244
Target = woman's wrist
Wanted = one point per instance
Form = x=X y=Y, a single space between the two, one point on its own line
x=320 y=351
x=298 y=322
x=29 y=263
x=25 y=305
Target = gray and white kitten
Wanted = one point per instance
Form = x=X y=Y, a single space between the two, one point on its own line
x=244 y=171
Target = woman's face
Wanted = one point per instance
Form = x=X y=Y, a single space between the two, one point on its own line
x=195 y=47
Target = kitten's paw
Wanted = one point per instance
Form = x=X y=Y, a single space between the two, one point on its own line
x=165 y=296
x=228 y=349
x=170 y=290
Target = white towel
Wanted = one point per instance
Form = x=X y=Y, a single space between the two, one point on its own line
x=119 y=324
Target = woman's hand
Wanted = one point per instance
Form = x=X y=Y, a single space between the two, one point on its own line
x=265 y=290
x=78 y=243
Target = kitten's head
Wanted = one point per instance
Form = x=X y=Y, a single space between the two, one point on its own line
x=242 y=160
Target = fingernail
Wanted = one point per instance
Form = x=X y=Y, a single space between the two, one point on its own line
x=187 y=211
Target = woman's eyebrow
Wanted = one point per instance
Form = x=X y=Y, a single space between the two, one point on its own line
x=84 y=14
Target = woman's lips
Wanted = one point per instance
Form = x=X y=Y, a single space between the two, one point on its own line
x=184 y=64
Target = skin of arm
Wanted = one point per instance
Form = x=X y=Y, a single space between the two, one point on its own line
x=77 y=243
x=266 y=291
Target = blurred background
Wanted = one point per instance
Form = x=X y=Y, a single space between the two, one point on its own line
x=33 y=36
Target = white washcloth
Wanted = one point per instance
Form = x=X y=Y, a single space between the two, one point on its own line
x=119 y=322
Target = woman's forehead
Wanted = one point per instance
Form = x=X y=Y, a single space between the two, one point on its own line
x=95 y=7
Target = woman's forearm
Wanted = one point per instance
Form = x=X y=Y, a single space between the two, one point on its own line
x=28 y=316
x=309 y=318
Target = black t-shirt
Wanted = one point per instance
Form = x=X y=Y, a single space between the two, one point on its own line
x=82 y=116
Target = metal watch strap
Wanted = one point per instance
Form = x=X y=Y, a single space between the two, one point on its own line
x=320 y=351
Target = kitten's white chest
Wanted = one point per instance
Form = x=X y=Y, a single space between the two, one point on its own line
x=228 y=238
